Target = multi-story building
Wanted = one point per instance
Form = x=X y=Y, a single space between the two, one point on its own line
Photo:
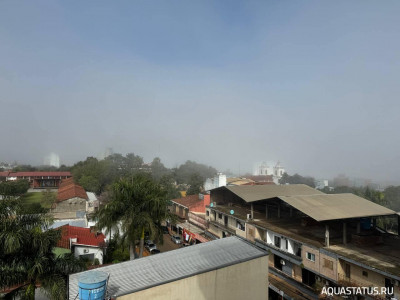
x=316 y=240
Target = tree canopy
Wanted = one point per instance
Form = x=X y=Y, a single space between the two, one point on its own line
x=138 y=204
x=297 y=179
x=26 y=254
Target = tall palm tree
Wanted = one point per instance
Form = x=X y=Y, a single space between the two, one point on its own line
x=26 y=254
x=138 y=205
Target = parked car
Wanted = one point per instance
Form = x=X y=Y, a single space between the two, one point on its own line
x=151 y=247
x=147 y=242
x=154 y=251
x=176 y=239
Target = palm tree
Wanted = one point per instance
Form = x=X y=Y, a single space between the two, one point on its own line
x=138 y=205
x=26 y=254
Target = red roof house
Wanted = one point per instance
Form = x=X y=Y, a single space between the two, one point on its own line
x=71 y=235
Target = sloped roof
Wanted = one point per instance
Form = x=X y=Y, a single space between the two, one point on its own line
x=68 y=189
x=139 y=274
x=188 y=200
x=336 y=206
x=67 y=181
x=83 y=235
x=251 y=193
x=39 y=173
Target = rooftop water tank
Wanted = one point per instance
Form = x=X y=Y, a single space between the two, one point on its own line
x=92 y=285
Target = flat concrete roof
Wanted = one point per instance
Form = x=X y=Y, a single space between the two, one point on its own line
x=140 y=274
x=251 y=193
x=336 y=206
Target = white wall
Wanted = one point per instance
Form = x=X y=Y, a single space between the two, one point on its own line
x=80 y=250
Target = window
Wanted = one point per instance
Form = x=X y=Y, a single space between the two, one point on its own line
x=328 y=264
x=220 y=216
x=277 y=241
x=365 y=273
x=310 y=256
x=287 y=244
x=239 y=226
x=208 y=213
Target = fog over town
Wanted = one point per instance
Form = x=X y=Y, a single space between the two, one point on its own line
x=313 y=85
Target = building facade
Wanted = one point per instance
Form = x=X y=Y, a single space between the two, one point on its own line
x=315 y=240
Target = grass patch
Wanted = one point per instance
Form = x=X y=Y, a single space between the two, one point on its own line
x=60 y=251
x=36 y=197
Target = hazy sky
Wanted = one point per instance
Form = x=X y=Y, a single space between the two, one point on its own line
x=314 y=84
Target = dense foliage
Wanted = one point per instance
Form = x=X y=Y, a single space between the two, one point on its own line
x=137 y=204
x=26 y=254
x=297 y=179
x=13 y=188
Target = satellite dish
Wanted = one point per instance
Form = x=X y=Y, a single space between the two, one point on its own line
x=232 y=211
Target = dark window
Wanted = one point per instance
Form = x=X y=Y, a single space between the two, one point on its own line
x=365 y=273
x=208 y=213
x=220 y=216
x=240 y=226
x=310 y=256
x=287 y=244
x=277 y=241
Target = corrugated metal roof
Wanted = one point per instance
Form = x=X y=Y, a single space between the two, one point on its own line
x=73 y=222
x=336 y=206
x=260 y=192
x=139 y=274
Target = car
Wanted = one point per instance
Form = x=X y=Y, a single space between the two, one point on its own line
x=151 y=247
x=147 y=242
x=176 y=239
x=154 y=251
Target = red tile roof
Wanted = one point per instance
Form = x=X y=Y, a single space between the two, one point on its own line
x=4 y=174
x=188 y=200
x=83 y=235
x=68 y=189
x=39 y=174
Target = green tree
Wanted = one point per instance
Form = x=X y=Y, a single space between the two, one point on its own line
x=138 y=205
x=26 y=254
x=297 y=179
x=13 y=188
x=48 y=197
x=196 y=184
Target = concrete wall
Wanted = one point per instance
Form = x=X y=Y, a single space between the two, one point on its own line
x=73 y=204
x=325 y=262
x=80 y=250
x=247 y=280
x=314 y=266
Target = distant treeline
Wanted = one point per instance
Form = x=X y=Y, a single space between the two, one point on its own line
x=95 y=175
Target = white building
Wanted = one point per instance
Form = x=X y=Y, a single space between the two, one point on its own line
x=52 y=160
x=215 y=182
x=264 y=168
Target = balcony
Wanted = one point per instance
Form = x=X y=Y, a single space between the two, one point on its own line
x=297 y=260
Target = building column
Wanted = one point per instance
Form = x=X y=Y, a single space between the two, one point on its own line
x=252 y=211
x=327 y=235
x=358 y=227
x=345 y=233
